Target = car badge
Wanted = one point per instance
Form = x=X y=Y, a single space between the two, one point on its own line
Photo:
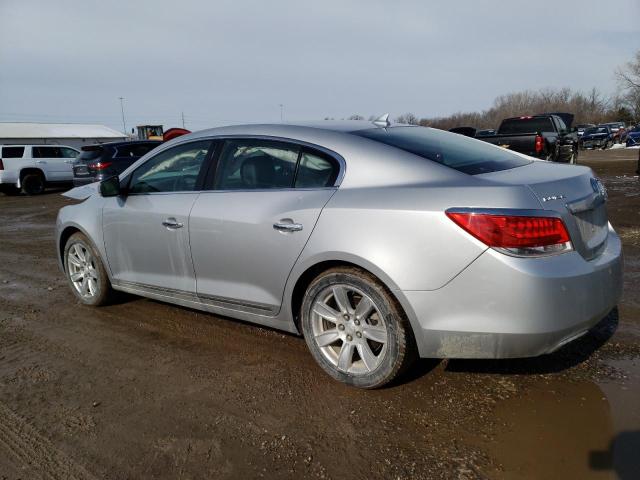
x=553 y=197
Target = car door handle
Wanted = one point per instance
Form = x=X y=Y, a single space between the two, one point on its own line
x=40 y=161
x=287 y=227
x=172 y=223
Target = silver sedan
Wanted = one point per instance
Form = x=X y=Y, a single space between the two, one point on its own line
x=378 y=242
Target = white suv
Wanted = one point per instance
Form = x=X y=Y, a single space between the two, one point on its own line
x=32 y=167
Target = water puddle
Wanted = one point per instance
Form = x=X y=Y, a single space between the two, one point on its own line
x=565 y=429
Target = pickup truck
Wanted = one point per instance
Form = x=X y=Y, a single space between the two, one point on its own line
x=543 y=136
x=31 y=168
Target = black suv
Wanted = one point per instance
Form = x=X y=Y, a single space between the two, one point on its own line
x=97 y=162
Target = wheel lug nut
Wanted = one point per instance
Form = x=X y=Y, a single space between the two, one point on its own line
x=358 y=334
x=349 y=337
x=346 y=316
x=357 y=322
x=340 y=327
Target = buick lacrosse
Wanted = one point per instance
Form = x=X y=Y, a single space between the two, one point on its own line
x=378 y=242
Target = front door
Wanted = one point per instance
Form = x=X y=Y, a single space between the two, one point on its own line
x=55 y=162
x=146 y=232
x=247 y=233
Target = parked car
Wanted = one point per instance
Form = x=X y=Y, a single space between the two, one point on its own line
x=633 y=136
x=97 y=162
x=543 y=136
x=617 y=130
x=597 y=137
x=31 y=168
x=580 y=128
x=379 y=242
x=486 y=133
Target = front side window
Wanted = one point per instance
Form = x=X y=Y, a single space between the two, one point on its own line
x=68 y=152
x=12 y=152
x=256 y=164
x=174 y=170
x=455 y=151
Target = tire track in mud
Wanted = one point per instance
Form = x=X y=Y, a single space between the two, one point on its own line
x=20 y=442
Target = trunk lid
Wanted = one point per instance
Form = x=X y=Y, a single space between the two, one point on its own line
x=570 y=190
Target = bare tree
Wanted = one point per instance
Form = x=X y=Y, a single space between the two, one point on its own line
x=629 y=82
x=356 y=117
x=408 y=118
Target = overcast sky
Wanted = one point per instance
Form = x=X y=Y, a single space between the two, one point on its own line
x=229 y=61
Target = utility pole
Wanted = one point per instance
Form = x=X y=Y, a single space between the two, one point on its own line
x=124 y=124
x=182 y=119
x=281 y=112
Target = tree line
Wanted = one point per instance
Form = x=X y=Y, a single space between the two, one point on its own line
x=588 y=107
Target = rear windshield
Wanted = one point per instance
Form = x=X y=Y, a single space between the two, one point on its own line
x=455 y=151
x=526 y=125
x=91 y=154
x=592 y=130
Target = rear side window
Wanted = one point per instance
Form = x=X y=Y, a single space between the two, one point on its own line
x=461 y=153
x=316 y=170
x=526 y=125
x=12 y=152
x=47 y=152
x=256 y=165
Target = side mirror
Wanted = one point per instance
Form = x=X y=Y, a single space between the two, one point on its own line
x=111 y=187
x=563 y=131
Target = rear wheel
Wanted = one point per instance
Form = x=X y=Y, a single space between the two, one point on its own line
x=33 y=183
x=355 y=329
x=85 y=272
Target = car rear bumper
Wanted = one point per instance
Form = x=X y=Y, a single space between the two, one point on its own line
x=507 y=307
x=80 y=181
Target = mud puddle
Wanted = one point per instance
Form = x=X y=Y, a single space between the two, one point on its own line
x=570 y=429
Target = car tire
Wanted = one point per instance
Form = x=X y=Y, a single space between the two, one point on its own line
x=85 y=272
x=365 y=345
x=33 y=183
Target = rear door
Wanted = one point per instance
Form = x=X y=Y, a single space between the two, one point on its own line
x=146 y=233
x=247 y=232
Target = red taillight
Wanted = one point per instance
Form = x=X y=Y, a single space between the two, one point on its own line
x=1 y=165
x=517 y=234
x=99 y=165
x=539 y=143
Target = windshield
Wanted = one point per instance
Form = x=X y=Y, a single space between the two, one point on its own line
x=452 y=150
x=526 y=125
x=590 y=131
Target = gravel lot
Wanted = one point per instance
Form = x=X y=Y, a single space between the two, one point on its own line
x=147 y=390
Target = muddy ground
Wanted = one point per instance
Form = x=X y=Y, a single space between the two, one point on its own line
x=147 y=390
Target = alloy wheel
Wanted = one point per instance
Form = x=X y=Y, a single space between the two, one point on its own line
x=349 y=329
x=82 y=270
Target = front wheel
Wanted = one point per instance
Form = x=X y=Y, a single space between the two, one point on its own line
x=355 y=329
x=85 y=272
